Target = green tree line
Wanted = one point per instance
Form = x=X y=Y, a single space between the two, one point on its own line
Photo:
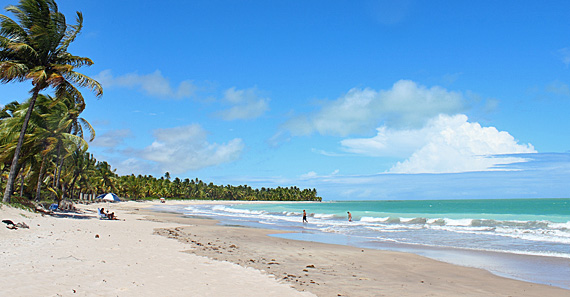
x=135 y=187
x=43 y=141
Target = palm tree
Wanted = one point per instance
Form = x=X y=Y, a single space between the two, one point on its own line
x=69 y=118
x=105 y=177
x=6 y=114
x=83 y=168
x=36 y=49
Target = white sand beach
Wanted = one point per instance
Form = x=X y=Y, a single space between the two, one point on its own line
x=147 y=253
x=80 y=255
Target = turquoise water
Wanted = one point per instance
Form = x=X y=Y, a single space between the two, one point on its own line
x=553 y=210
x=526 y=239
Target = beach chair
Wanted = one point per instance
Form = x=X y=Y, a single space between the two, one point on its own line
x=101 y=214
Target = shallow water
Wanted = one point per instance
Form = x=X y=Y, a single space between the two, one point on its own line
x=526 y=239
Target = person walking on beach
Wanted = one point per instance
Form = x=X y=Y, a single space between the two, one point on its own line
x=305 y=217
x=349 y=216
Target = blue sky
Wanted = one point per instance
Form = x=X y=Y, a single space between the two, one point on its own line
x=359 y=99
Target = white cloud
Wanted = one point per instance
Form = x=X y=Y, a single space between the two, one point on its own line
x=153 y=84
x=186 y=148
x=112 y=138
x=278 y=138
x=405 y=105
x=246 y=104
x=314 y=175
x=451 y=144
x=445 y=144
x=309 y=175
x=387 y=143
x=134 y=166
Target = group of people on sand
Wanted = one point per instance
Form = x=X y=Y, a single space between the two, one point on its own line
x=108 y=215
x=305 y=216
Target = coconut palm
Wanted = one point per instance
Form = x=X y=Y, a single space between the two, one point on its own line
x=48 y=131
x=83 y=167
x=36 y=49
x=77 y=165
x=73 y=125
x=10 y=127
x=54 y=135
x=105 y=177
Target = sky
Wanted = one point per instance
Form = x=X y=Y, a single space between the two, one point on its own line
x=362 y=100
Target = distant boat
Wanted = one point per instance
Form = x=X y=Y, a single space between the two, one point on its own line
x=111 y=197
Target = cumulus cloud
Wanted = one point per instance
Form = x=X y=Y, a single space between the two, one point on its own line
x=387 y=143
x=186 y=148
x=112 y=138
x=246 y=104
x=153 y=84
x=405 y=105
x=447 y=144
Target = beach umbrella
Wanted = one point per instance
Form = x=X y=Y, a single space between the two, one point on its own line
x=109 y=197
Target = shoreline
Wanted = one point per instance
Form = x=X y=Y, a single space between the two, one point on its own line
x=201 y=246
x=545 y=269
x=342 y=274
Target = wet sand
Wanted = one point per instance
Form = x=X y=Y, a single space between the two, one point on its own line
x=338 y=270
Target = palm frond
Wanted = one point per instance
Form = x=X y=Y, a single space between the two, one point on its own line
x=38 y=76
x=70 y=35
x=87 y=125
x=21 y=51
x=13 y=71
x=67 y=89
x=10 y=29
x=75 y=61
x=85 y=81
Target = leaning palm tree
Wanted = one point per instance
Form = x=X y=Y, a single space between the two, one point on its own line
x=36 y=49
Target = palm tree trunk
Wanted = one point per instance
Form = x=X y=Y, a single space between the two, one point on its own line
x=1 y=173
x=70 y=190
x=22 y=178
x=17 y=172
x=13 y=167
x=55 y=182
x=40 y=177
x=59 y=165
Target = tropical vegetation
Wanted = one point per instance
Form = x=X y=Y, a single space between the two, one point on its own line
x=137 y=187
x=44 y=140
x=35 y=48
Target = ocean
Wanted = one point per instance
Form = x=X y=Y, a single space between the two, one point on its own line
x=525 y=239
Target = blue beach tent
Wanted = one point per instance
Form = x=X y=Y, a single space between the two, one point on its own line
x=111 y=197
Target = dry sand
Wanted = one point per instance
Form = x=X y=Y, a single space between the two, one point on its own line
x=63 y=257
x=79 y=255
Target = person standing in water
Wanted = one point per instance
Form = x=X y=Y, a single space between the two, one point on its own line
x=305 y=217
x=349 y=216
